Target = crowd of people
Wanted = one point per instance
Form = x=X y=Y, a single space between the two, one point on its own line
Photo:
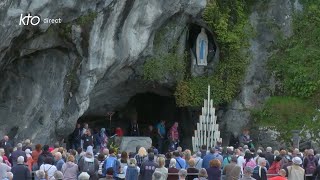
x=89 y=161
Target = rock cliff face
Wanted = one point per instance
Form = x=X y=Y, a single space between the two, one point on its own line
x=269 y=20
x=50 y=75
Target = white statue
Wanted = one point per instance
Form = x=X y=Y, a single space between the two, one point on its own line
x=202 y=48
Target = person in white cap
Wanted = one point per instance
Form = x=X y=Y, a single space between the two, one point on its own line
x=295 y=172
x=29 y=159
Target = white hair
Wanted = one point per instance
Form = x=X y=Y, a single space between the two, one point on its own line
x=40 y=174
x=269 y=149
x=261 y=160
x=173 y=162
x=58 y=175
x=20 y=160
x=19 y=145
x=58 y=155
x=183 y=173
x=84 y=176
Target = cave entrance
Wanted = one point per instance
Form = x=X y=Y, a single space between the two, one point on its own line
x=148 y=109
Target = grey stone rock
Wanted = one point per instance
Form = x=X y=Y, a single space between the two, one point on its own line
x=50 y=77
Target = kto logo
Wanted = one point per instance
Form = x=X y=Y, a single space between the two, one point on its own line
x=26 y=20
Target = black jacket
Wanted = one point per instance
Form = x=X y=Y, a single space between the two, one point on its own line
x=20 y=172
x=87 y=141
x=43 y=156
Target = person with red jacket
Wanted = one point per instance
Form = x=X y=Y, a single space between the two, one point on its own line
x=275 y=167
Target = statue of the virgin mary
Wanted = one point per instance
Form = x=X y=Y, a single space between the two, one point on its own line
x=202 y=48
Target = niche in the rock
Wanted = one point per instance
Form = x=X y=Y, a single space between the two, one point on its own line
x=194 y=31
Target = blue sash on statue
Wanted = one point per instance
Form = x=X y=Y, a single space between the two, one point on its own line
x=202 y=49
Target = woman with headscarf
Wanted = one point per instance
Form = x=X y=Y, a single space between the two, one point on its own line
x=103 y=139
x=89 y=164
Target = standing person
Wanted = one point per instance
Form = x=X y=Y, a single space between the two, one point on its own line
x=35 y=155
x=77 y=133
x=214 y=172
x=182 y=174
x=198 y=160
x=45 y=154
x=27 y=145
x=30 y=161
x=161 y=133
x=192 y=169
x=4 y=157
x=134 y=129
x=232 y=170
x=152 y=134
x=101 y=159
x=295 y=172
x=249 y=161
x=174 y=135
x=269 y=155
x=240 y=159
x=203 y=175
x=70 y=169
x=111 y=162
x=4 y=168
x=103 y=139
x=89 y=164
x=181 y=163
x=132 y=170
x=59 y=160
x=14 y=156
x=20 y=171
x=260 y=171
x=148 y=167
x=173 y=170
x=162 y=169
x=245 y=139
x=83 y=132
x=123 y=163
x=310 y=164
x=6 y=145
x=87 y=139
x=275 y=167
x=142 y=154
x=48 y=167
x=247 y=173
x=214 y=154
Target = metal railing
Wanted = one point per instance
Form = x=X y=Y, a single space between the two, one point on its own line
x=188 y=174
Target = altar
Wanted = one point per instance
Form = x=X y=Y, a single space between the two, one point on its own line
x=129 y=143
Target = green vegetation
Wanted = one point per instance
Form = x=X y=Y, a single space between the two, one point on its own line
x=285 y=114
x=296 y=63
x=160 y=68
x=229 y=20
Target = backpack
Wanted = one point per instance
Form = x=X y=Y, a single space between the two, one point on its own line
x=89 y=167
x=110 y=162
x=311 y=166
